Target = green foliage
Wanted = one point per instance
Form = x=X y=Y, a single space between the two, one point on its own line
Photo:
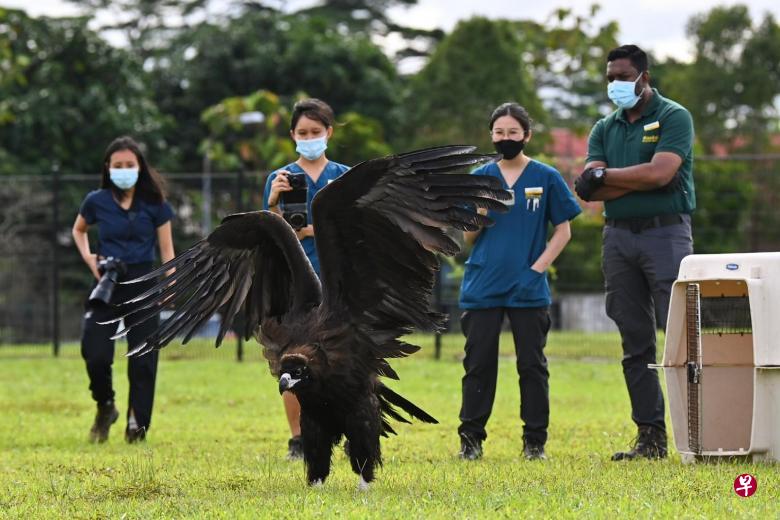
x=215 y=61
x=477 y=67
x=11 y=63
x=71 y=94
x=357 y=138
x=370 y=18
x=568 y=58
x=147 y=25
x=731 y=86
x=725 y=195
x=232 y=145
x=268 y=145
x=578 y=268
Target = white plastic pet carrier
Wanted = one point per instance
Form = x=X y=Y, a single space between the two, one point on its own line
x=722 y=356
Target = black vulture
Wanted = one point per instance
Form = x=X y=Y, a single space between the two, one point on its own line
x=378 y=229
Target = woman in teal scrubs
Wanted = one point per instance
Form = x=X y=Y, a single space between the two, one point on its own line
x=506 y=276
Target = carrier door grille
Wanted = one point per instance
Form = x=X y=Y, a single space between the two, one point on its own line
x=694 y=366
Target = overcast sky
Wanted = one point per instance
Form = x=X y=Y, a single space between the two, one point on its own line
x=657 y=25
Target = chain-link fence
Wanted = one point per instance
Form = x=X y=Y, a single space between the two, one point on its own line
x=45 y=281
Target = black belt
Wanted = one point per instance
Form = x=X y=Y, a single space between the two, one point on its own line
x=637 y=224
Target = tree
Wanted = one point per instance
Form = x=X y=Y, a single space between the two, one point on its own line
x=370 y=18
x=477 y=67
x=267 y=145
x=357 y=138
x=147 y=25
x=567 y=57
x=217 y=61
x=71 y=95
x=232 y=144
x=731 y=86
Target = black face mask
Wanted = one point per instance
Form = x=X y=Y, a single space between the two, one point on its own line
x=509 y=148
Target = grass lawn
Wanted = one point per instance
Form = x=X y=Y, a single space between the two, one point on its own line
x=218 y=438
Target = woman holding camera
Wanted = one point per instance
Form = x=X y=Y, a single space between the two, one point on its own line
x=132 y=216
x=311 y=127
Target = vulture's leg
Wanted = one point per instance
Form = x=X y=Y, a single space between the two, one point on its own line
x=317 y=450
x=362 y=432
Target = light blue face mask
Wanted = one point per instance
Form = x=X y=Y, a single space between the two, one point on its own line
x=622 y=93
x=312 y=149
x=123 y=178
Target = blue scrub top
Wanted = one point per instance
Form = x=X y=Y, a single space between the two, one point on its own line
x=498 y=271
x=127 y=234
x=332 y=171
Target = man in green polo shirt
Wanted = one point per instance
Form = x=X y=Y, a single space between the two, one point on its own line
x=640 y=163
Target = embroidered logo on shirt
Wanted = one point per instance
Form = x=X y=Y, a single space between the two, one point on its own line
x=652 y=126
x=532 y=197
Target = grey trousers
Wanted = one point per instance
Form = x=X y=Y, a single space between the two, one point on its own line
x=639 y=269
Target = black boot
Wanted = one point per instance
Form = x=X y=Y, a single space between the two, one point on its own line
x=133 y=435
x=650 y=443
x=107 y=414
x=470 y=447
x=533 y=451
x=295 y=448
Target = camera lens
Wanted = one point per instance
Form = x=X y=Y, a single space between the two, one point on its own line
x=297 y=220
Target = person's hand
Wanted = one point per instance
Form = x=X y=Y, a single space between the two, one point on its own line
x=92 y=262
x=586 y=184
x=304 y=232
x=279 y=184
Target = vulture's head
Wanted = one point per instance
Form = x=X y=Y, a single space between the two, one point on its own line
x=298 y=372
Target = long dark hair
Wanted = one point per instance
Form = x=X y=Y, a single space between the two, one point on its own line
x=150 y=186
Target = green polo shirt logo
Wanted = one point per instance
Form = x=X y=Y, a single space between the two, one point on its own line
x=665 y=126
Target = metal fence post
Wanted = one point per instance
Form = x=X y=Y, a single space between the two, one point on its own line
x=437 y=303
x=240 y=208
x=206 y=194
x=55 y=260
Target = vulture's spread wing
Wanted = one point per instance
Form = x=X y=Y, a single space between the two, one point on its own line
x=377 y=230
x=252 y=259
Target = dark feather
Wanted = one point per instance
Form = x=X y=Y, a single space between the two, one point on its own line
x=379 y=229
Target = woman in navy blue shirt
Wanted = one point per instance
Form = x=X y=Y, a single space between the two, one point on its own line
x=311 y=127
x=132 y=216
x=506 y=276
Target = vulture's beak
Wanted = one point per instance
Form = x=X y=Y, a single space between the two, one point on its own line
x=286 y=382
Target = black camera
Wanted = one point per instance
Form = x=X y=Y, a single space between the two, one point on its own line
x=110 y=270
x=294 y=201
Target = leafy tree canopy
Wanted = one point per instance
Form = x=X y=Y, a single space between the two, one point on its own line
x=68 y=95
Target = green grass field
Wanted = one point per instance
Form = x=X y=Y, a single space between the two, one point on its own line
x=217 y=443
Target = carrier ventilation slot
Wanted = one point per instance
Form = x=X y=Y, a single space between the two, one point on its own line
x=725 y=315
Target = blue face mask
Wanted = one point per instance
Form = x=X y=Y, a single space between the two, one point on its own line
x=622 y=93
x=123 y=178
x=312 y=149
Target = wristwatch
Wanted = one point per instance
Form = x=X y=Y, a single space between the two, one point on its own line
x=600 y=173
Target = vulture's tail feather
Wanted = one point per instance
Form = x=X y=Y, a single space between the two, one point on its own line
x=388 y=398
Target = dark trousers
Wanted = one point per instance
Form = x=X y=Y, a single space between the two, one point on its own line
x=529 y=329
x=639 y=270
x=97 y=349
